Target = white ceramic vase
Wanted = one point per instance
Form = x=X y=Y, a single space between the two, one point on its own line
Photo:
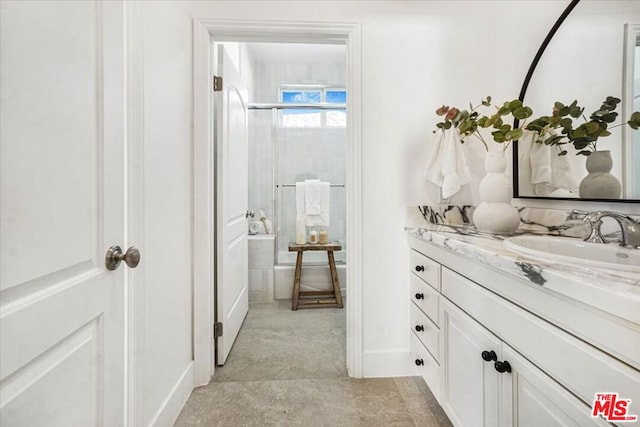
x=495 y=214
x=599 y=183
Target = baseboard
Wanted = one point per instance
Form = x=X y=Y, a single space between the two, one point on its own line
x=171 y=407
x=386 y=363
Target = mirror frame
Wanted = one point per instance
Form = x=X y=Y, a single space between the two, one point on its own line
x=523 y=92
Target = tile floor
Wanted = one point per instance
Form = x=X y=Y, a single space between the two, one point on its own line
x=287 y=368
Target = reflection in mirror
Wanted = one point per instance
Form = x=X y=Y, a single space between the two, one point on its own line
x=631 y=82
x=584 y=61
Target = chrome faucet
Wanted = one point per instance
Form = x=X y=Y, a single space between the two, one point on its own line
x=629 y=227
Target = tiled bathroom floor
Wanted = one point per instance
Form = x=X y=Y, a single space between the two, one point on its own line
x=288 y=368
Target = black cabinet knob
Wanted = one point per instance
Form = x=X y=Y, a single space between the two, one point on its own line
x=489 y=356
x=419 y=362
x=419 y=295
x=419 y=267
x=502 y=367
x=419 y=328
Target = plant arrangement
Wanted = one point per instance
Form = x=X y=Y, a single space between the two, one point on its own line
x=583 y=137
x=469 y=122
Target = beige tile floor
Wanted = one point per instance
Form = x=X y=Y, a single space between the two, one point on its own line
x=287 y=368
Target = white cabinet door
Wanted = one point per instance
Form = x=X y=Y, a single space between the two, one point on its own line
x=532 y=399
x=470 y=385
x=232 y=283
x=62 y=206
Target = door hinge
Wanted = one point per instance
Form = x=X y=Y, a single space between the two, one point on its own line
x=217 y=83
x=217 y=329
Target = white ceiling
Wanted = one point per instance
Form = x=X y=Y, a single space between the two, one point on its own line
x=296 y=52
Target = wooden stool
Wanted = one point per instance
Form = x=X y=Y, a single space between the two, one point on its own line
x=336 y=300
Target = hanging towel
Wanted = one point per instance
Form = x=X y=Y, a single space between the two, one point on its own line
x=549 y=171
x=447 y=165
x=313 y=196
x=317 y=203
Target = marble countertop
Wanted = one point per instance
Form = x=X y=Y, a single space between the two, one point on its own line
x=614 y=292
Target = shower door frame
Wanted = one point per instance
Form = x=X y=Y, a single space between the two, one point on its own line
x=205 y=33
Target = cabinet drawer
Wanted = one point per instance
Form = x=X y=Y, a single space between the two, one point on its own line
x=426 y=298
x=425 y=330
x=425 y=268
x=426 y=366
x=576 y=365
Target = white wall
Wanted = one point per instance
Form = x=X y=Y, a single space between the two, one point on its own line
x=415 y=56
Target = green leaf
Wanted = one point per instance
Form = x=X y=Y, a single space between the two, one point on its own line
x=447 y=125
x=591 y=127
x=612 y=100
x=498 y=136
x=522 y=113
x=514 y=134
x=515 y=104
x=584 y=153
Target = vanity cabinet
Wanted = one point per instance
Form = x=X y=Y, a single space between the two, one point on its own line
x=497 y=364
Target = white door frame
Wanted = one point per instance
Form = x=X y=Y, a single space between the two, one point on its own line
x=205 y=32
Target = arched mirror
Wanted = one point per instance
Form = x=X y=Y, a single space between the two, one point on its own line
x=592 y=53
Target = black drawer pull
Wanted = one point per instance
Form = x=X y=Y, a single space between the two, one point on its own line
x=419 y=362
x=489 y=356
x=502 y=367
x=419 y=295
x=419 y=328
x=419 y=268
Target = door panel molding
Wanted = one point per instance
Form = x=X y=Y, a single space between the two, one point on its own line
x=205 y=31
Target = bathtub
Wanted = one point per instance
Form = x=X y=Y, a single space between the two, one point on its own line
x=261 y=263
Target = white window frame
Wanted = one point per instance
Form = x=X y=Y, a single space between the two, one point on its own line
x=323 y=89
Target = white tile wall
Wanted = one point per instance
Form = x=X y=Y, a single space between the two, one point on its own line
x=261 y=287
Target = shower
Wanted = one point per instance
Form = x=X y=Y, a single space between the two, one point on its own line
x=299 y=132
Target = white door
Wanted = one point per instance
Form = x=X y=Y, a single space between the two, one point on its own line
x=232 y=295
x=470 y=388
x=61 y=208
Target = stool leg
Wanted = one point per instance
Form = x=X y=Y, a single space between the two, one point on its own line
x=334 y=279
x=296 y=282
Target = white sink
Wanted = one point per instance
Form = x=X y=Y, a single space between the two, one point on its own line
x=576 y=252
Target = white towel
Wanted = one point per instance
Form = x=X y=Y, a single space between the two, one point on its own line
x=549 y=171
x=313 y=189
x=447 y=165
x=313 y=220
x=317 y=195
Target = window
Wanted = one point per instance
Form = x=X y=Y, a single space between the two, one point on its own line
x=312 y=118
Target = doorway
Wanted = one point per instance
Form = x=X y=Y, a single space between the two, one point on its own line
x=207 y=32
x=296 y=131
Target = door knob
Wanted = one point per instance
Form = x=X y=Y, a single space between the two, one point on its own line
x=115 y=256
x=419 y=328
x=419 y=295
x=419 y=362
x=419 y=268
x=249 y=214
